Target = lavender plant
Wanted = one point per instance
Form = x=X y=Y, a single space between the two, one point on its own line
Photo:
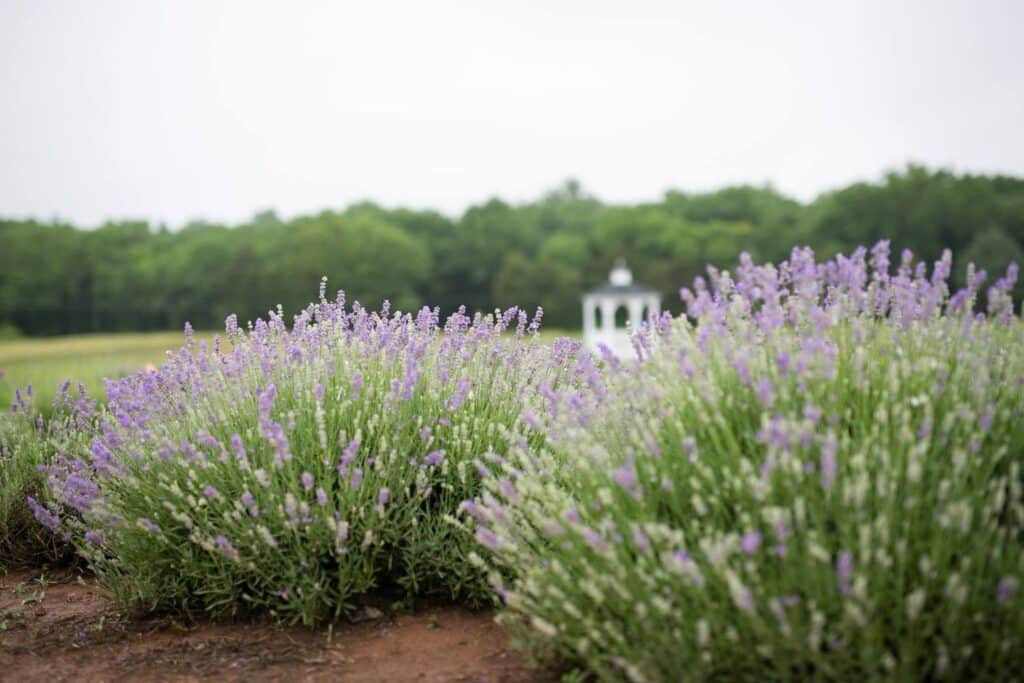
x=819 y=479
x=296 y=469
x=30 y=441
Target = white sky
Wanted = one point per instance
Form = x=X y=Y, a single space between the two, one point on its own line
x=171 y=111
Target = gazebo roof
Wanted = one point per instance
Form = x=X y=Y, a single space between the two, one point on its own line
x=632 y=288
x=620 y=283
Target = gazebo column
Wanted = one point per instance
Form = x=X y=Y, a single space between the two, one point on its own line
x=607 y=315
x=654 y=305
x=589 y=310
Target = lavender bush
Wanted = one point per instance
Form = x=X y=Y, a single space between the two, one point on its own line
x=29 y=441
x=819 y=479
x=295 y=469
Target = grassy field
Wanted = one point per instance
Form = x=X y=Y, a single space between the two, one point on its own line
x=90 y=358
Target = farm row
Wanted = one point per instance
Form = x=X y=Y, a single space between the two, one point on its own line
x=816 y=473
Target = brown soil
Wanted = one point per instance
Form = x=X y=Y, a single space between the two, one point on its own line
x=64 y=628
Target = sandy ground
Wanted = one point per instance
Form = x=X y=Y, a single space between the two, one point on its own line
x=63 y=628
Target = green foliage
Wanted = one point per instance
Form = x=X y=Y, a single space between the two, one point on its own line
x=994 y=248
x=27 y=442
x=21 y=452
x=9 y=332
x=130 y=276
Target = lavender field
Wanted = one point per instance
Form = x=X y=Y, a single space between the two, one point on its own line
x=814 y=473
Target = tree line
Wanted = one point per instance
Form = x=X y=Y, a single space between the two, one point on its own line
x=130 y=275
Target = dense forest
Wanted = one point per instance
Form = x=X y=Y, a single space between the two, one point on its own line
x=58 y=279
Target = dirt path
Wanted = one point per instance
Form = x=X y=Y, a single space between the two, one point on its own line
x=64 y=629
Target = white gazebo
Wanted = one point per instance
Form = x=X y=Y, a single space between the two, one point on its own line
x=613 y=311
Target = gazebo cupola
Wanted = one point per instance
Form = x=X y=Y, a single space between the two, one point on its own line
x=613 y=311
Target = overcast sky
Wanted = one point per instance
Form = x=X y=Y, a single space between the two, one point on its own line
x=171 y=111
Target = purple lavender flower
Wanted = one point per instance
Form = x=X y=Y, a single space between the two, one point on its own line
x=776 y=434
x=744 y=598
x=102 y=458
x=383 y=496
x=530 y=419
x=488 y=538
x=459 y=397
x=473 y=509
x=782 y=361
x=348 y=456
x=553 y=528
x=880 y=258
x=844 y=572
x=642 y=542
x=44 y=516
x=625 y=476
x=210 y=492
x=1006 y=589
x=766 y=392
x=508 y=490
x=434 y=458
x=224 y=545
x=829 y=465
x=751 y=542
x=307 y=481
x=266 y=400
x=594 y=540
x=743 y=371
x=238 y=448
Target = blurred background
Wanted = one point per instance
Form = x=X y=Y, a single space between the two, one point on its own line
x=171 y=161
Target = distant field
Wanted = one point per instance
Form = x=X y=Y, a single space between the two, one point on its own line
x=90 y=358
